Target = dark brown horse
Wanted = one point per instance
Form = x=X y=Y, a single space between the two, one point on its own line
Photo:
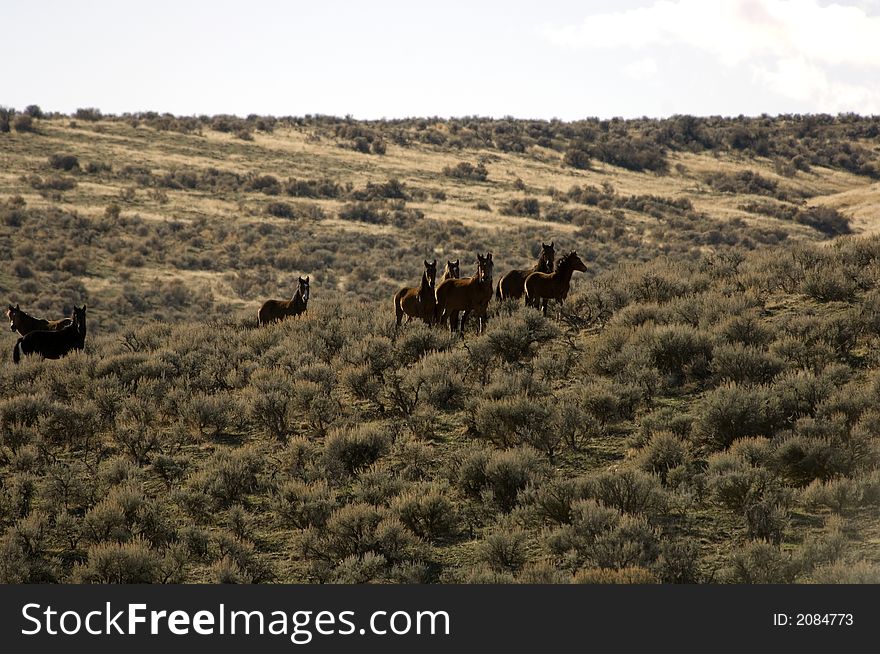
x=275 y=310
x=543 y=287
x=513 y=284
x=451 y=271
x=24 y=324
x=418 y=302
x=468 y=295
x=54 y=344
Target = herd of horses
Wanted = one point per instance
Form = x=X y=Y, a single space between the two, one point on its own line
x=453 y=296
x=452 y=300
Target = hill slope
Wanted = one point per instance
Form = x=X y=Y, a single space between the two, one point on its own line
x=701 y=409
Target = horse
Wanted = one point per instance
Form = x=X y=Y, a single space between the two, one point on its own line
x=451 y=271
x=418 y=302
x=513 y=284
x=469 y=295
x=541 y=286
x=24 y=324
x=275 y=310
x=54 y=344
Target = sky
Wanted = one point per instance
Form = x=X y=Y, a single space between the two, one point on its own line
x=394 y=59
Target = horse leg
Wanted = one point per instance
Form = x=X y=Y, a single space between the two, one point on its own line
x=544 y=303
x=453 y=321
x=464 y=318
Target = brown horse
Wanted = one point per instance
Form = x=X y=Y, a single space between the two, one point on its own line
x=543 y=287
x=451 y=271
x=275 y=310
x=54 y=344
x=24 y=324
x=418 y=302
x=468 y=295
x=513 y=284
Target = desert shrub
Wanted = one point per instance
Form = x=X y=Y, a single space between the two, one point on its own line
x=843 y=494
x=229 y=475
x=350 y=450
x=847 y=572
x=313 y=188
x=678 y=562
x=268 y=404
x=280 y=210
x=24 y=123
x=730 y=412
x=680 y=351
x=826 y=220
x=418 y=340
x=759 y=562
x=6 y=117
x=509 y=472
x=428 y=511
x=744 y=364
x=24 y=553
x=467 y=171
x=628 y=491
x=517 y=420
x=801 y=459
x=515 y=337
x=359 y=531
x=303 y=504
x=120 y=563
x=553 y=500
x=751 y=492
x=576 y=157
x=746 y=329
x=663 y=452
x=746 y=181
x=633 y=575
x=365 y=212
x=505 y=549
x=529 y=207
x=88 y=113
x=66 y=162
x=435 y=380
x=828 y=283
x=247 y=565
x=599 y=536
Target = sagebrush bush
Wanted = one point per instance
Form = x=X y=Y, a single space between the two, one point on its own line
x=350 y=450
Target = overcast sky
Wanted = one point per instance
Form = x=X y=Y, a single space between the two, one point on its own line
x=374 y=59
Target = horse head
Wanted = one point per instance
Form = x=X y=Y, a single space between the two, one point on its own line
x=484 y=268
x=546 y=258
x=431 y=272
x=304 y=288
x=79 y=319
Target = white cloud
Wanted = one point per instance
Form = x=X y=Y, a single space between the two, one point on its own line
x=798 y=79
x=799 y=38
x=641 y=69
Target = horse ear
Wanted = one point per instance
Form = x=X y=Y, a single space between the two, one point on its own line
x=17 y=307
x=307 y=279
x=551 y=245
x=427 y=265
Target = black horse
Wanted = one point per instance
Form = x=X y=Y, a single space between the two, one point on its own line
x=54 y=344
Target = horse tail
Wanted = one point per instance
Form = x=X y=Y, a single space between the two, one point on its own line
x=398 y=307
x=498 y=291
x=16 y=351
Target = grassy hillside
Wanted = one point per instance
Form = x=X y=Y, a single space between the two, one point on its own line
x=703 y=408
